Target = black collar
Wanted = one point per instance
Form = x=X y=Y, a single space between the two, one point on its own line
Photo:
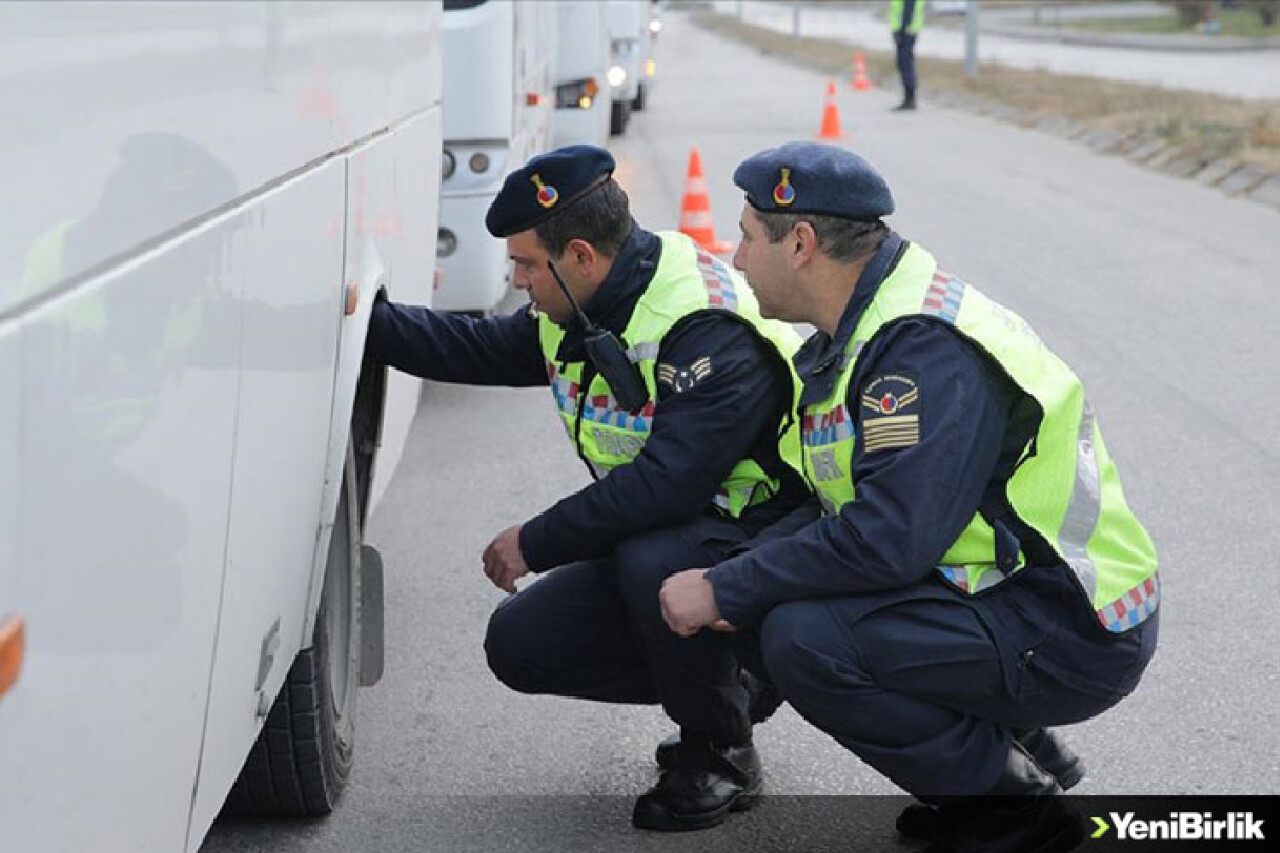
x=615 y=301
x=815 y=360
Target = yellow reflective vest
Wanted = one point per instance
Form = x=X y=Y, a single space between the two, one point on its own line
x=896 y=10
x=688 y=280
x=1066 y=486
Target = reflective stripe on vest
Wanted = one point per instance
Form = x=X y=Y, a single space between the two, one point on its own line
x=687 y=280
x=1068 y=491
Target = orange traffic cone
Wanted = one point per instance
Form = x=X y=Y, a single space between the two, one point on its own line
x=861 y=82
x=830 y=115
x=695 y=209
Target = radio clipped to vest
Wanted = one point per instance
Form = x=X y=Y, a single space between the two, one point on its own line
x=609 y=356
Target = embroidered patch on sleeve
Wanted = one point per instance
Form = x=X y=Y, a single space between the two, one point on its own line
x=890 y=413
x=681 y=379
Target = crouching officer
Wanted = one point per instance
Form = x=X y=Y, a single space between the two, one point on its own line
x=679 y=398
x=977 y=576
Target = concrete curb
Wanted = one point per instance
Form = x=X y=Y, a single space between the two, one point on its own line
x=1268 y=192
x=1144 y=149
x=1189 y=43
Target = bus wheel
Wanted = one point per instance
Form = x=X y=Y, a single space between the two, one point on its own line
x=619 y=115
x=302 y=758
x=637 y=103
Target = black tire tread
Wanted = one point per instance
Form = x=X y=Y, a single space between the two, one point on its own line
x=284 y=773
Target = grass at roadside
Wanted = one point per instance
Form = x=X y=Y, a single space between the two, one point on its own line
x=1235 y=22
x=1204 y=126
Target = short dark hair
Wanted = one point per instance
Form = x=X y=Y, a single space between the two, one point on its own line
x=602 y=217
x=843 y=239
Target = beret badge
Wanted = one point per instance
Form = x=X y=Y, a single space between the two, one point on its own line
x=784 y=194
x=547 y=196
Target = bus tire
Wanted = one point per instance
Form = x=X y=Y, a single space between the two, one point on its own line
x=302 y=758
x=619 y=115
x=638 y=102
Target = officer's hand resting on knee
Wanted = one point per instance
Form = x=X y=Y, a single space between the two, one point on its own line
x=689 y=603
x=503 y=561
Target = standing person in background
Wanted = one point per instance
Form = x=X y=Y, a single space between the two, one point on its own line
x=906 y=17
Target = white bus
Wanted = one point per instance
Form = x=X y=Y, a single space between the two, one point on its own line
x=583 y=96
x=632 y=69
x=201 y=200
x=498 y=103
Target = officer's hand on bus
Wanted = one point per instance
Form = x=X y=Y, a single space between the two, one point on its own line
x=503 y=561
x=689 y=603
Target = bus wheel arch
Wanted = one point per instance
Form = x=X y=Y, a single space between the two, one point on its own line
x=301 y=761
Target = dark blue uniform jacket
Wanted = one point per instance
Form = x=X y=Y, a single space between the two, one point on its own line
x=697 y=435
x=912 y=502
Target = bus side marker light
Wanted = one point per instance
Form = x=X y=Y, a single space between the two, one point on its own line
x=12 y=638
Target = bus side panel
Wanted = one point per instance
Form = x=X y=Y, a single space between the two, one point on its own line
x=9 y=498
x=127 y=409
x=265 y=87
x=498 y=102
x=396 y=180
x=388 y=227
x=478 y=56
x=479 y=112
x=411 y=268
x=535 y=47
x=582 y=52
x=293 y=305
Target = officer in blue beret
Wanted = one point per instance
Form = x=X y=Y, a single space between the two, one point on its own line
x=679 y=398
x=975 y=576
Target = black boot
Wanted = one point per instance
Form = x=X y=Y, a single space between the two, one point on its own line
x=702 y=787
x=908 y=101
x=764 y=700
x=1023 y=812
x=1053 y=755
x=924 y=823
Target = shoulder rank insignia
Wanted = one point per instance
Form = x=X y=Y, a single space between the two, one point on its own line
x=547 y=195
x=681 y=379
x=889 y=416
x=784 y=194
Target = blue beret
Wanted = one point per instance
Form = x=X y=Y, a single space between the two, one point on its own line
x=808 y=177
x=546 y=185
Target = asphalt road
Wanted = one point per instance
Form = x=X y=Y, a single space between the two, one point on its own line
x=1239 y=73
x=1160 y=292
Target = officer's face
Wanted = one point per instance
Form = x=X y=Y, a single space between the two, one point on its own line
x=763 y=263
x=530 y=274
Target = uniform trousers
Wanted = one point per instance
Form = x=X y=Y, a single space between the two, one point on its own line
x=906 y=56
x=928 y=686
x=594 y=630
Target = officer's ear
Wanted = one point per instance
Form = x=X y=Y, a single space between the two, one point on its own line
x=583 y=256
x=803 y=243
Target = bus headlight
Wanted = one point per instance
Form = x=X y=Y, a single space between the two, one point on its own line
x=446 y=243
x=617 y=76
x=479 y=162
x=655 y=26
x=447 y=164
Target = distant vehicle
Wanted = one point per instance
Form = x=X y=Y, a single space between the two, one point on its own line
x=190 y=436
x=583 y=95
x=655 y=20
x=498 y=105
x=632 y=69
